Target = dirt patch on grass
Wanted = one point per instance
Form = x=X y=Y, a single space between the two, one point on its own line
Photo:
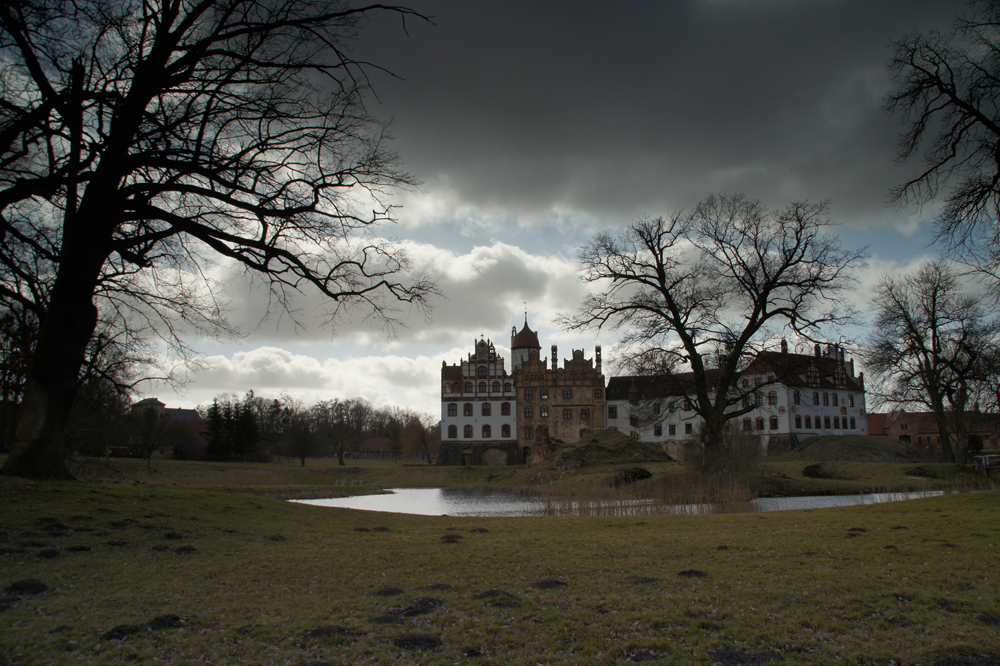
x=734 y=657
x=422 y=642
x=547 y=584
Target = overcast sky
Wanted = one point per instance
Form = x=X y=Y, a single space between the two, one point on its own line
x=532 y=126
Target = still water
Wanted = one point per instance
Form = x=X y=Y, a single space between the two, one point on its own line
x=464 y=502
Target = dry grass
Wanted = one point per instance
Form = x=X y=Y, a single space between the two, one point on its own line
x=909 y=583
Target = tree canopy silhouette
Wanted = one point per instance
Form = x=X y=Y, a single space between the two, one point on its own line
x=141 y=142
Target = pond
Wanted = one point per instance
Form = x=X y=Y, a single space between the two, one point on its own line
x=466 y=502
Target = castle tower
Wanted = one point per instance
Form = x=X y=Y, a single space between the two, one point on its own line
x=521 y=343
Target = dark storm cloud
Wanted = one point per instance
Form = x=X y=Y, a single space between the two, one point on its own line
x=608 y=111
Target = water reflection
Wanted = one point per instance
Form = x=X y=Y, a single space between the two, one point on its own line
x=465 y=502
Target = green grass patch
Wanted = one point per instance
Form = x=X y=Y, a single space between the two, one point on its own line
x=158 y=573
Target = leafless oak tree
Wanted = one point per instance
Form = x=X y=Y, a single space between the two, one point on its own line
x=933 y=345
x=143 y=140
x=704 y=290
x=948 y=96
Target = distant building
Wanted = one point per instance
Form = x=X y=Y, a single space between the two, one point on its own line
x=920 y=429
x=186 y=429
x=164 y=412
x=792 y=397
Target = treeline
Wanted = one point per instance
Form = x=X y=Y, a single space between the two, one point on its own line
x=251 y=428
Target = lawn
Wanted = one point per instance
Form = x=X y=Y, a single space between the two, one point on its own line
x=161 y=573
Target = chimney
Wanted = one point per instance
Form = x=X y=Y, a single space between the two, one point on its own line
x=861 y=380
x=817 y=350
x=829 y=350
x=597 y=357
x=850 y=367
x=784 y=346
x=555 y=358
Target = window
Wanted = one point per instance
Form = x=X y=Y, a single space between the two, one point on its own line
x=772 y=398
x=482 y=387
x=657 y=430
x=529 y=433
x=746 y=401
x=835 y=400
x=567 y=394
x=850 y=400
x=634 y=435
x=688 y=429
x=567 y=414
x=826 y=422
x=468 y=432
x=826 y=399
x=482 y=371
x=528 y=394
x=505 y=409
x=506 y=387
x=656 y=408
x=505 y=431
x=836 y=423
x=746 y=383
x=760 y=399
x=633 y=398
x=452 y=432
x=597 y=393
x=774 y=423
x=920 y=440
x=796 y=398
x=467 y=409
x=468 y=387
x=670 y=406
x=757 y=381
x=544 y=394
x=672 y=429
x=855 y=427
x=528 y=412
x=760 y=423
x=687 y=405
x=815 y=397
x=487 y=431
x=747 y=424
x=452 y=409
x=585 y=414
x=798 y=421
x=543 y=411
x=633 y=421
x=487 y=409
x=809 y=423
x=496 y=387
x=612 y=411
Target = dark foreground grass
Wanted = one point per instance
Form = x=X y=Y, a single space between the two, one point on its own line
x=170 y=574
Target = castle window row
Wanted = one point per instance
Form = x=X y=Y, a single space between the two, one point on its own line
x=495 y=387
x=486 y=409
x=468 y=432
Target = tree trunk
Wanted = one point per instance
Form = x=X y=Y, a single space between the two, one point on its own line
x=37 y=451
x=66 y=329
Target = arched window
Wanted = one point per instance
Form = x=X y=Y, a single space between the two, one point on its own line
x=850 y=400
x=772 y=398
x=826 y=399
x=487 y=431
x=746 y=401
x=815 y=397
x=826 y=422
x=467 y=409
x=452 y=409
x=487 y=410
x=496 y=387
x=836 y=401
x=774 y=423
x=505 y=409
x=506 y=387
x=482 y=371
x=468 y=387
x=796 y=398
x=452 y=432
x=760 y=399
x=760 y=424
x=505 y=431
x=468 y=432
x=482 y=387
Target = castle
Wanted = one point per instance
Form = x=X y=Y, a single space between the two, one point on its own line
x=490 y=417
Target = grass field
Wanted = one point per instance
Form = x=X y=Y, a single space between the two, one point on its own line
x=138 y=573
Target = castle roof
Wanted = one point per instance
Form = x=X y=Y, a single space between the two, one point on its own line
x=525 y=338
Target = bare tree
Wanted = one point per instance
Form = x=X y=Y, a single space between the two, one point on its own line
x=706 y=289
x=141 y=141
x=932 y=345
x=948 y=97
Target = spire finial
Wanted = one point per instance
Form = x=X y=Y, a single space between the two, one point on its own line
x=525 y=313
